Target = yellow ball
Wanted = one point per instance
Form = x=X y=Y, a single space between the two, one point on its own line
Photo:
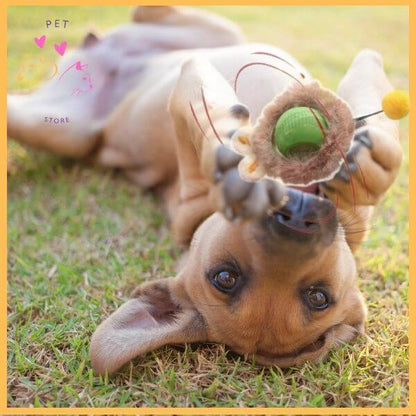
x=396 y=104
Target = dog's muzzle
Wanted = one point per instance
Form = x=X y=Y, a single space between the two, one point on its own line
x=305 y=217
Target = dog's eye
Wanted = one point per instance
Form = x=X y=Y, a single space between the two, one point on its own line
x=224 y=280
x=317 y=298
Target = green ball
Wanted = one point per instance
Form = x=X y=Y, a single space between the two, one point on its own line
x=298 y=133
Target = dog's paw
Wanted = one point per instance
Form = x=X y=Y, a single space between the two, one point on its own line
x=235 y=197
x=371 y=166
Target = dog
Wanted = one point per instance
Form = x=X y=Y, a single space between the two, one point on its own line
x=268 y=271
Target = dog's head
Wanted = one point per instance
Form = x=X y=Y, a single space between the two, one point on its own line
x=280 y=288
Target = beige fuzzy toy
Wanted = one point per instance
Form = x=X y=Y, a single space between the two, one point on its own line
x=303 y=135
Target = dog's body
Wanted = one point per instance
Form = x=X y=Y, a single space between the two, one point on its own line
x=280 y=282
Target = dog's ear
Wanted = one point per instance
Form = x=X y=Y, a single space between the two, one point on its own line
x=158 y=314
x=90 y=39
x=342 y=333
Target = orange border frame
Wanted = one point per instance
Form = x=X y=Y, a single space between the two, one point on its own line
x=411 y=410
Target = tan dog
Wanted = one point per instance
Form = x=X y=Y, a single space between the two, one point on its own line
x=274 y=277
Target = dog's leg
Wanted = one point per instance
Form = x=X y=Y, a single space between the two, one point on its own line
x=28 y=122
x=375 y=156
x=209 y=30
x=206 y=113
x=154 y=14
x=196 y=140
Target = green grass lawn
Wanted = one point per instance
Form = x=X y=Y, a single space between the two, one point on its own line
x=81 y=238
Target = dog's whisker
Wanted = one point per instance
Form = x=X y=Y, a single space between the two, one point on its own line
x=277 y=57
x=350 y=227
x=211 y=305
x=352 y=232
x=347 y=222
x=281 y=70
x=347 y=226
x=262 y=64
x=344 y=157
x=197 y=121
x=351 y=222
x=362 y=177
x=209 y=117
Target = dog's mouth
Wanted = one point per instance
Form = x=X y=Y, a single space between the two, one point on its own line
x=316 y=345
x=291 y=356
x=313 y=189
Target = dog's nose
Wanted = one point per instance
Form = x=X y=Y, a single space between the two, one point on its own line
x=304 y=214
x=299 y=212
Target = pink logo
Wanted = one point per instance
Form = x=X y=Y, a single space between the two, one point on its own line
x=40 y=41
x=60 y=48
x=81 y=76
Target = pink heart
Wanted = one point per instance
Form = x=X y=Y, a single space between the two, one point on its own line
x=40 y=41
x=60 y=48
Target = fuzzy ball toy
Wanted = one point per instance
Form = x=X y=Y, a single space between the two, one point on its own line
x=311 y=127
x=303 y=135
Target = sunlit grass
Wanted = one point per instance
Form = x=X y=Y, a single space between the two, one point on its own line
x=81 y=238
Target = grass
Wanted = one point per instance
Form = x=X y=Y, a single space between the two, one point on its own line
x=81 y=238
